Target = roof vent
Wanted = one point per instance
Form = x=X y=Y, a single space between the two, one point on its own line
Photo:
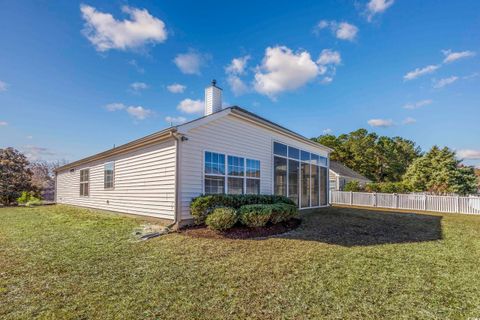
x=213 y=98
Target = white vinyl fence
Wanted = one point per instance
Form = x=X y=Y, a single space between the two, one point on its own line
x=450 y=204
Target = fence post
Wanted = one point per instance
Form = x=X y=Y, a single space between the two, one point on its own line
x=424 y=202
x=396 y=200
x=458 y=204
x=374 y=199
x=351 y=198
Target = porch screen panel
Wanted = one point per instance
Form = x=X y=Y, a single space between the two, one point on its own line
x=293 y=178
x=315 y=180
x=305 y=185
x=323 y=186
x=280 y=176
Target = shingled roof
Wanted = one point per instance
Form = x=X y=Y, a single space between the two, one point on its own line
x=342 y=170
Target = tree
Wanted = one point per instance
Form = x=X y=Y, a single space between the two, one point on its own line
x=15 y=175
x=43 y=178
x=379 y=158
x=438 y=171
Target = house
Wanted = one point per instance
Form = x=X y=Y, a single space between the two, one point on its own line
x=227 y=150
x=340 y=175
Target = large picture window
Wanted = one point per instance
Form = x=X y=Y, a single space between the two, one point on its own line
x=236 y=175
x=108 y=175
x=300 y=175
x=84 y=182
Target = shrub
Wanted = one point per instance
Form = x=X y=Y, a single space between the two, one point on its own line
x=28 y=199
x=388 y=187
x=353 y=185
x=203 y=205
x=282 y=212
x=255 y=215
x=222 y=218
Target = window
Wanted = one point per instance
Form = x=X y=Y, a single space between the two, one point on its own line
x=293 y=178
x=293 y=153
x=280 y=176
x=305 y=184
x=241 y=175
x=108 y=175
x=84 y=182
x=279 y=149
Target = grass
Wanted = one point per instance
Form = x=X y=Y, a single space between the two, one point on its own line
x=64 y=262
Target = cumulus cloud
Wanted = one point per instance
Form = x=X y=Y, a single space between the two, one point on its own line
x=138 y=86
x=328 y=56
x=409 y=120
x=420 y=72
x=3 y=86
x=176 y=88
x=238 y=65
x=437 y=84
x=3 y=123
x=175 y=120
x=377 y=6
x=451 y=56
x=190 y=63
x=382 y=123
x=105 y=32
x=342 y=30
x=284 y=70
x=418 y=104
x=468 y=154
x=327 y=131
x=237 y=85
x=191 y=106
x=139 y=112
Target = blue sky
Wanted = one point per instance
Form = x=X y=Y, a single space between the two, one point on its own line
x=78 y=77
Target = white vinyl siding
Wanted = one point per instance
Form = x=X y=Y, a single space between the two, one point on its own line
x=144 y=183
x=230 y=135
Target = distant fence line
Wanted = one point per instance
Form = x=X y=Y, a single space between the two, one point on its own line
x=449 y=204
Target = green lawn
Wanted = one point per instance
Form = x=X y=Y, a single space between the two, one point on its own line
x=64 y=262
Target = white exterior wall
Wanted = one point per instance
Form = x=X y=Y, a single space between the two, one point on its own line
x=234 y=136
x=144 y=183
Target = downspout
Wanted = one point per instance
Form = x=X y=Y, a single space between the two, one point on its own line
x=177 y=212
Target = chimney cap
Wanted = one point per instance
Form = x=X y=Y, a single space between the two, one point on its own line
x=214 y=82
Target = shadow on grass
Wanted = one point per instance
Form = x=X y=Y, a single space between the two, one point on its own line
x=358 y=227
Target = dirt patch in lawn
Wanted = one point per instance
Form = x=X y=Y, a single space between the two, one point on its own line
x=242 y=232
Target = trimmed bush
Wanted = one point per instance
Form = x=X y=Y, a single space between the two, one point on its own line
x=203 y=205
x=222 y=218
x=255 y=215
x=282 y=212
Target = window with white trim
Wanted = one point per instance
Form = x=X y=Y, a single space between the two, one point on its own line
x=84 y=182
x=108 y=175
x=236 y=175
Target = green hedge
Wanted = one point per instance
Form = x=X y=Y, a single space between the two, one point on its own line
x=258 y=215
x=222 y=218
x=202 y=206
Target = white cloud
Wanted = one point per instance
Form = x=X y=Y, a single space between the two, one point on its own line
x=444 y=82
x=327 y=131
x=469 y=154
x=35 y=153
x=453 y=56
x=409 y=120
x=342 y=30
x=420 y=72
x=237 y=66
x=284 y=70
x=3 y=86
x=382 y=123
x=175 y=120
x=176 y=88
x=191 y=106
x=346 y=31
x=329 y=56
x=237 y=85
x=418 y=104
x=138 y=86
x=105 y=32
x=115 y=106
x=3 y=123
x=190 y=63
x=139 y=112
x=377 y=6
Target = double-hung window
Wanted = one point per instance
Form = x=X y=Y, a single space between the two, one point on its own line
x=84 y=182
x=231 y=174
x=108 y=175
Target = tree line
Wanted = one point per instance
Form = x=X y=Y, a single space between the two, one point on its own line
x=400 y=165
